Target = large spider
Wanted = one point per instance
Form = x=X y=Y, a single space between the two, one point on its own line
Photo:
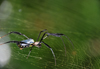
x=31 y=43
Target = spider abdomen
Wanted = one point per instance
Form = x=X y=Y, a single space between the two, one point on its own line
x=25 y=43
x=28 y=41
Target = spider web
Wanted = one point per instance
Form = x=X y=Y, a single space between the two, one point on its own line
x=72 y=18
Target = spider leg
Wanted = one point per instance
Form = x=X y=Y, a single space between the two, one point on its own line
x=69 y=40
x=43 y=36
x=15 y=33
x=57 y=35
x=64 y=45
x=13 y=42
x=51 y=51
x=10 y=42
x=29 y=52
x=48 y=35
x=40 y=34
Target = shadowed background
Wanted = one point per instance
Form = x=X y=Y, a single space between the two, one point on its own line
x=79 y=20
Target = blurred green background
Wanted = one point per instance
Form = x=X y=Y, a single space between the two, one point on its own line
x=78 y=19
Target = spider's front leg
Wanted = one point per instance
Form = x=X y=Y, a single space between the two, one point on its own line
x=51 y=51
x=57 y=35
x=40 y=33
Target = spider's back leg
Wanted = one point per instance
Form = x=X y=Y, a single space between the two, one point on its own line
x=10 y=42
x=15 y=33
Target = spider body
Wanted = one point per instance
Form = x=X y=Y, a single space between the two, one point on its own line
x=28 y=43
x=31 y=43
x=25 y=43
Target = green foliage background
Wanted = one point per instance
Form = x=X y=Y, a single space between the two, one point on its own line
x=78 y=19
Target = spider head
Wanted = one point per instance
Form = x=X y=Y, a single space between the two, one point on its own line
x=37 y=44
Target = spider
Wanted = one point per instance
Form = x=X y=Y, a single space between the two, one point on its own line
x=29 y=42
